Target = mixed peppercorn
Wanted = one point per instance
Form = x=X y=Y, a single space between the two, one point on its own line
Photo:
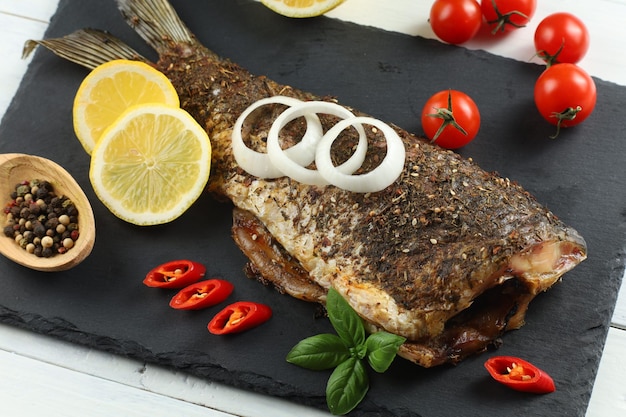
x=41 y=222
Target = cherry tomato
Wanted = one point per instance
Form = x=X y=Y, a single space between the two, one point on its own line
x=507 y=15
x=455 y=21
x=561 y=37
x=565 y=95
x=450 y=119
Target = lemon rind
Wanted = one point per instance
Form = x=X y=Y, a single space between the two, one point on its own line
x=294 y=12
x=107 y=70
x=150 y=218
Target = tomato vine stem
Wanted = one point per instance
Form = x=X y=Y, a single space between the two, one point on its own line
x=550 y=59
x=504 y=19
x=447 y=115
x=567 y=114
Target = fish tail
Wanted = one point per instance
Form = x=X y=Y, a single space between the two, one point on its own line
x=86 y=47
x=154 y=20
x=157 y=23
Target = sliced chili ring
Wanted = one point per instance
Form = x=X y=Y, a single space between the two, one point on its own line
x=202 y=294
x=239 y=317
x=175 y=274
x=519 y=375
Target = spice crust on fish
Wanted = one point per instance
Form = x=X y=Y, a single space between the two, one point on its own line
x=448 y=256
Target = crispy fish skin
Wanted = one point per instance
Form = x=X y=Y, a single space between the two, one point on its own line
x=448 y=256
x=408 y=258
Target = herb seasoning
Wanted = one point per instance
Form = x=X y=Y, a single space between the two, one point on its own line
x=41 y=222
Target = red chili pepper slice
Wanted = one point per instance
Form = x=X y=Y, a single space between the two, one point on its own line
x=175 y=274
x=239 y=317
x=202 y=294
x=519 y=375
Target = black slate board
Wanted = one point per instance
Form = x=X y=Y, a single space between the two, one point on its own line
x=103 y=304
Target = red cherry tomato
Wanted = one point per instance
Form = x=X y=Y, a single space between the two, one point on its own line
x=507 y=15
x=561 y=38
x=450 y=119
x=455 y=21
x=565 y=95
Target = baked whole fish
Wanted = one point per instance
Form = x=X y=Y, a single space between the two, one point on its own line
x=448 y=256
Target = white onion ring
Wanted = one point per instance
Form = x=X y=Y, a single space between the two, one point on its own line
x=297 y=171
x=258 y=163
x=376 y=180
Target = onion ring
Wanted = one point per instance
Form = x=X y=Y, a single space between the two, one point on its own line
x=298 y=171
x=258 y=163
x=376 y=180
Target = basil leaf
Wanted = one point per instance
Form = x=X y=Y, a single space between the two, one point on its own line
x=346 y=386
x=344 y=319
x=323 y=351
x=382 y=348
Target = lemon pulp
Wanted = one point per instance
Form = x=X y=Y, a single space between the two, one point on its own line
x=151 y=164
x=301 y=8
x=111 y=88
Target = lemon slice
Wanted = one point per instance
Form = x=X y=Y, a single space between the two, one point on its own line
x=301 y=8
x=110 y=89
x=151 y=165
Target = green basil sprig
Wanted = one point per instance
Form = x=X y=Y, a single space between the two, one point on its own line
x=346 y=352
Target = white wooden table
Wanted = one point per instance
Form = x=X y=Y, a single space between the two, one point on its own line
x=42 y=376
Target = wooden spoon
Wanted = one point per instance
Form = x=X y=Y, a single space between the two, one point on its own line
x=15 y=168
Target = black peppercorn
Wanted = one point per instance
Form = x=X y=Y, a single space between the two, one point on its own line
x=71 y=210
x=41 y=193
x=52 y=223
x=25 y=213
x=39 y=229
x=34 y=209
x=8 y=231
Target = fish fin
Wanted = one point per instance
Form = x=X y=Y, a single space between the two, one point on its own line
x=156 y=22
x=86 y=47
